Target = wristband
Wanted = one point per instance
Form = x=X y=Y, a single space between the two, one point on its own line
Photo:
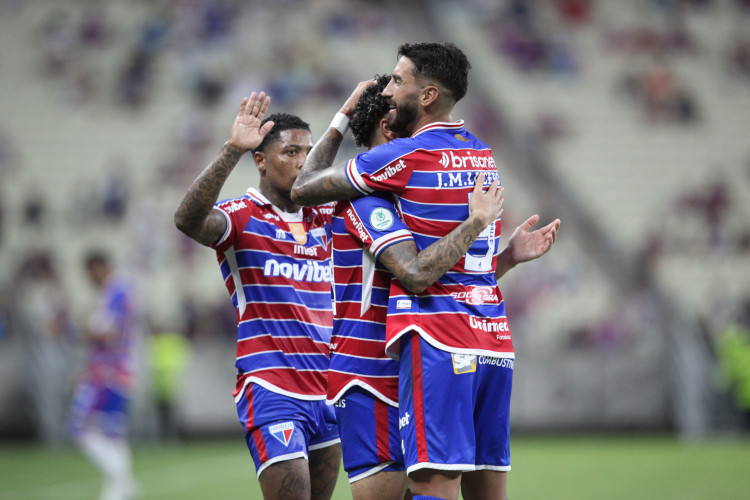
x=341 y=123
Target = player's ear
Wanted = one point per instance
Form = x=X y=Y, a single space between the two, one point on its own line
x=429 y=95
x=260 y=161
x=386 y=130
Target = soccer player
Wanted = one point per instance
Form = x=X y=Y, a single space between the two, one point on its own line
x=99 y=409
x=274 y=257
x=370 y=241
x=362 y=380
x=452 y=340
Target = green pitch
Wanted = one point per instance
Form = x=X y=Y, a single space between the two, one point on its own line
x=576 y=468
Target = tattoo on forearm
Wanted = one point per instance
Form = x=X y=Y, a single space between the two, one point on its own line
x=317 y=182
x=420 y=271
x=192 y=215
x=322 y=154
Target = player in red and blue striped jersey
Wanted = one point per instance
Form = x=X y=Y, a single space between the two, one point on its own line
x=100 y=404
x=453 y=338
x=363 y=381
x=274 y=257
x=367 y=231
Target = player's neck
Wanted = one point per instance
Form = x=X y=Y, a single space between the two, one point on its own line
x=428 y=118
x=279 y=199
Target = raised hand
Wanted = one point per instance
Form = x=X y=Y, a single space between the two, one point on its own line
x=486 y=205
x=525 y=246
x=246 y=133
x=351 y=102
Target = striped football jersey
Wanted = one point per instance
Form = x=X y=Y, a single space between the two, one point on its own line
x=432 y=173
x=361 y=229
x=276 y=268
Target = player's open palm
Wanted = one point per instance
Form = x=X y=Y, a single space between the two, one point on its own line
x=487 y=205
x=527 y=245
x=247 y=133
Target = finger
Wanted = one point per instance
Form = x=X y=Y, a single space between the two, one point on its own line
x=266 y=128
x=478 y=183
x=258 y=104
x=242 y=106
x=529 y=223
x=492 y=190
x=264 y=107
x=250 y=103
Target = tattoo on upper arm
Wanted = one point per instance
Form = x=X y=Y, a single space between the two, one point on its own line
x=195 y=215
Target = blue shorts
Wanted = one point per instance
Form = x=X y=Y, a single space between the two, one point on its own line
x=370 y=439
x=101 y=407
x=279 y=427
x=454 y=409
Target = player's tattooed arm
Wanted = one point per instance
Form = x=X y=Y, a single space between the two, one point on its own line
x=417 y=271
x=319 y=182
x=196 y=215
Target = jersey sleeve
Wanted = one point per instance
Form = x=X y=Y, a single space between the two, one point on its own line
x=375 y=222
x=382 y=168
x=237 y=212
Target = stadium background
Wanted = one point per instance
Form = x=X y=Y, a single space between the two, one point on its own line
x=626 y=119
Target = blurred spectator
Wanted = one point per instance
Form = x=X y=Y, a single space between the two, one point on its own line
x=733 y=353
x=170 y=355
x=136 y=79
x=42 y=308
x=661 y=94
x=738 y=55
x=58 y=38
x=34 y=209
x=94 y=30
x=114 y=194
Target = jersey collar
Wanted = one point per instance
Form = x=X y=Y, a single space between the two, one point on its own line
x=455 y=126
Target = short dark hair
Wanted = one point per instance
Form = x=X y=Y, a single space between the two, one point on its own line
x=281 y=122
x=443 y=62
x=369 y=110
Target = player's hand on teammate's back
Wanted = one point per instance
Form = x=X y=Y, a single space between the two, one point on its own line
x=487 y=205
x=246 y=133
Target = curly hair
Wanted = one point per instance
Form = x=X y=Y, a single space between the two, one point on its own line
x=370 y=108
x=443 y=62
x=281 y=122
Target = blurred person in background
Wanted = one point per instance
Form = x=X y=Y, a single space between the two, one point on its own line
x=274 y=257
x=453 y=338
x=169 y=353
x=370 y=242
x=101 y=401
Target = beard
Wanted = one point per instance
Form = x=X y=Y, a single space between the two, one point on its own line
x=403 y=120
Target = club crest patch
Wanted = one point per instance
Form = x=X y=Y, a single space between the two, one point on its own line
x=282 y=432
x=320 y=236
x=298 y=231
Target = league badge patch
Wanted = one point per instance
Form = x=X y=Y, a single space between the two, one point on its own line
x=282 y=432
x=381 y=219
